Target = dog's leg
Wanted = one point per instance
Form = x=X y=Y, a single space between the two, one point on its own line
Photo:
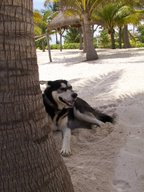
x=66 y=151
x=87 y=117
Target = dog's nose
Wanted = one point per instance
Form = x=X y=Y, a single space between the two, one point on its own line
x=74 y=95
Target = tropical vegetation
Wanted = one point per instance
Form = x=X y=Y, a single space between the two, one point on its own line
x=41 y=19
x=113 y=16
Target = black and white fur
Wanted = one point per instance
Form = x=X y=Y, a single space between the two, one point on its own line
x=67 y=111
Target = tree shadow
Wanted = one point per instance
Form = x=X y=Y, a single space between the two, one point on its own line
x=69 y=57
x=107 y=54
x=98 y=91
x=138 y=62
x=72 y=57
x=66 y=60
x=71 y=51
x=122 y=53
x=129 y=110
x=103 y=83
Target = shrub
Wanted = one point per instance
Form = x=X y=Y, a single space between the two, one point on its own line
x=55 y=46
x=104 y=39
x=137 y=44
x=71 y=46
x=66 y=46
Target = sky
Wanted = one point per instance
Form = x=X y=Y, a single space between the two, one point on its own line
x=38 y=4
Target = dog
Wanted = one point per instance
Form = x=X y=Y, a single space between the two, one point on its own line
x=67 y=111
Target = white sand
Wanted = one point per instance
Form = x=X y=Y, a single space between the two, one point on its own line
x=111 y=158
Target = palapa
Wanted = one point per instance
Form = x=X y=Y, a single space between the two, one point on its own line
x=63 y=20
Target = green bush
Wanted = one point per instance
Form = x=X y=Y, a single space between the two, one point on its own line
x=66 y=46
x=137 y=44
x=55 y=46
x=140 y=30
x=71 y=46
x=72 y=36
x=95 y=42
x=104 y=39
x=41 y=44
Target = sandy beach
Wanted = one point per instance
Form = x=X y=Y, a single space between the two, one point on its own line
x=109 y=158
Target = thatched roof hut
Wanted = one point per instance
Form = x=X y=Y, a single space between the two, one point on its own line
x=61 y=21
x=64 y=21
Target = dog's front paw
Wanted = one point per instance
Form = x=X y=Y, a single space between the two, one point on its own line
x=65 y=152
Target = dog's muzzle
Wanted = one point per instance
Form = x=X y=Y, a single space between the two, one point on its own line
x=71 y=101
x=74 y=95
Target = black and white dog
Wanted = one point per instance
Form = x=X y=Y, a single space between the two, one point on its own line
x=67 y=111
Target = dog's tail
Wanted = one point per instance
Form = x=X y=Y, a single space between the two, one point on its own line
x=104 y=117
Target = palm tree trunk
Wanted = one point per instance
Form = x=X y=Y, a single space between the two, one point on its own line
x=126 y=38
x=84 y=39
x=48 y=44
x=29 y=160
x=81 y=38
x=91 y=53
x=112 y=39
x=60 y=33
x=120 y=37
x=43 y=45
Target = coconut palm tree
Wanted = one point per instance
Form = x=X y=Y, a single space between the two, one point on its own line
x=85 y=9
x=40 y=26
x=54 y=7
x=134 y=18
x=112 y=15
x=29 y=160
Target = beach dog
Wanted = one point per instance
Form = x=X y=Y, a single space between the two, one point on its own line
x=67 y=111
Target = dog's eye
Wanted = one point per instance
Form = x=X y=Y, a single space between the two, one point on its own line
x=70 y=87
x=63 y=89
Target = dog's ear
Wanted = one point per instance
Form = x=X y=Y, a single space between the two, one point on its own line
x=43 y=82
x=49 y=83
x=44 y=85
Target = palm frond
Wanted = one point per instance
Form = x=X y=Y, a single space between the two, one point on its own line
x=93 y=5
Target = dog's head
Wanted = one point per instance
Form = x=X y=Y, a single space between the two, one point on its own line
x=60 y=93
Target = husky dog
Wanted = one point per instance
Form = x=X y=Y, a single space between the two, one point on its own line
x=67 y=111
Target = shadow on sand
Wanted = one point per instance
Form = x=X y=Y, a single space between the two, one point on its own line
x=72 y=57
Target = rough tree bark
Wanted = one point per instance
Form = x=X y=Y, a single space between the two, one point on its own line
x=29 y=160
x=126 y=37
x=112 y=32
x=120 y=37
x=91 y=53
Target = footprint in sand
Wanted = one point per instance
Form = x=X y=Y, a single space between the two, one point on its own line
x=121 y=186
